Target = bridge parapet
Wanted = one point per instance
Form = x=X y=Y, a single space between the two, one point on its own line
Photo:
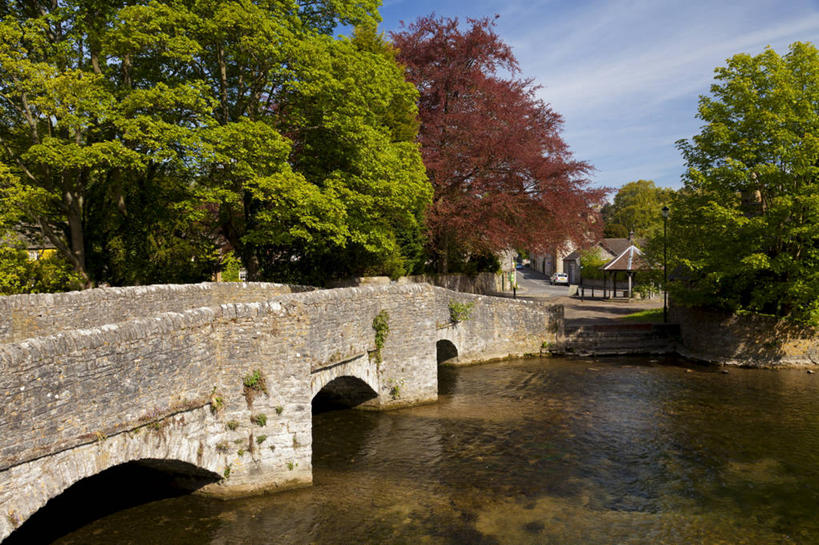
x=25 y=316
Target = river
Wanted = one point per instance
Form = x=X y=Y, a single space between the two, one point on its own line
x=538 y=451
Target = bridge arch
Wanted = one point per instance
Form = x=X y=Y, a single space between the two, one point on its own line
x=445 y=350
x=168 y=445
x=347 y=383
x=119 y=487
x=343 y=392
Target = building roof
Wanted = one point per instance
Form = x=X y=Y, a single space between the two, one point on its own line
x=614 y=247
x=631 y=259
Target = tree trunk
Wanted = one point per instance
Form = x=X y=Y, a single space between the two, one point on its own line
x=74 y=204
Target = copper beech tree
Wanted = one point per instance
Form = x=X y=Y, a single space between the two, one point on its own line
x=502 y=175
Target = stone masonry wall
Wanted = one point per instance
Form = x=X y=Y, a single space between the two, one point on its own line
x=485 y=283
x=748 y=340
x=498 y=327
x=172 y=385
x=24 y=316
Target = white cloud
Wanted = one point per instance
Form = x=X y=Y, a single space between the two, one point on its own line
x=626 y=74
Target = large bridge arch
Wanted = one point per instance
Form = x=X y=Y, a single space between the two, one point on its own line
x=119 y=487
x=172 y=443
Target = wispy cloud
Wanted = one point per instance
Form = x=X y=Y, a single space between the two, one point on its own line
x=626 y=74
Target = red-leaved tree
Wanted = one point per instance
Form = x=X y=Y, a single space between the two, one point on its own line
x=503 y=177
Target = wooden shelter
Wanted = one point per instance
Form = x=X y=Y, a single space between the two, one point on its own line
x=629 y=261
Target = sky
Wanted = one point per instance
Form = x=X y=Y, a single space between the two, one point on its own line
x=627 y=75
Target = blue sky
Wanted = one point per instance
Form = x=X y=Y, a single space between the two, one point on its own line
x=626 y=75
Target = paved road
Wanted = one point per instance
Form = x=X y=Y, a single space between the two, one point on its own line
x=534 y=284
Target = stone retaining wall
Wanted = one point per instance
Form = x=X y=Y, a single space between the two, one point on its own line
x=485 y=283
x=747 y=340
x=24 y=316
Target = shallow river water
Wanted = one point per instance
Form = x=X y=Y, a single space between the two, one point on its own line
x=538 y=451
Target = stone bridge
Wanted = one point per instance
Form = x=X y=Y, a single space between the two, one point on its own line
x=214 y=382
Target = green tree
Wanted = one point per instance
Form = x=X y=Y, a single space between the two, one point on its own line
x=19 y=274
x=636 y=208
x=95 y=160
x=137 y=135
x=745 y=229
x=592 y=263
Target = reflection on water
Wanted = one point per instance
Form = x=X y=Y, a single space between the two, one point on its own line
x=539 y=452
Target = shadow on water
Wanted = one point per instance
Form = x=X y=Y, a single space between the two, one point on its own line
x=577 y=452
x=447 y=380
x=115 y=489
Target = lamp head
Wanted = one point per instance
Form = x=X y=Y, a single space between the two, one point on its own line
x=665 y=211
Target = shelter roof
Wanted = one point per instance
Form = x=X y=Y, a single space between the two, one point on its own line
x=631 y=259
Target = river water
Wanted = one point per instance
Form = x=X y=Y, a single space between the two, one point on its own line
x=538 y=451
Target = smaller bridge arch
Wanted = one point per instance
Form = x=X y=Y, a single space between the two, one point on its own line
x=349 y=382
x=343 y=392
x=446 y=351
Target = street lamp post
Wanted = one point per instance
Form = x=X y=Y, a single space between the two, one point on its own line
x=665 y=264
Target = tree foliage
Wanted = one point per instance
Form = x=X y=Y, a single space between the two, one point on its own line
x=502 y=175
x=636 y=209
x=48 y=274
x=745 y=228
x=592 y=263
x=142 y=138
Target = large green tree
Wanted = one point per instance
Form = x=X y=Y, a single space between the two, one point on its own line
x=139 y=136
x=745 y=228
x=636 y=209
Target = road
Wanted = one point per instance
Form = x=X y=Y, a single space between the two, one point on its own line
x=534 y=284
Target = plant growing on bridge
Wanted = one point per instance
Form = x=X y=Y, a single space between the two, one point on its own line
x=261 y=439
x=381 y=325
x=223 y=447
x=395 y=389
x=232 y=425
x=460 y=312
x=259 y=419
x=253 y=384
x=217 y=401
x=279 y=409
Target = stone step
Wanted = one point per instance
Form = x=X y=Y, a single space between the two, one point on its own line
x=612 y=339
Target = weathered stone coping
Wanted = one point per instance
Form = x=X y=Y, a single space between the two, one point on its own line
x=37 y=347
x=23 y=316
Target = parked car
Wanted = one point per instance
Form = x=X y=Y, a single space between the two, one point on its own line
x=559 y=278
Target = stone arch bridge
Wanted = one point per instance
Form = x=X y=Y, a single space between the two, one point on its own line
x=215 y=381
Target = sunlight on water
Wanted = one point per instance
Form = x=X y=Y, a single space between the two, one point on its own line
x=542 y=451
